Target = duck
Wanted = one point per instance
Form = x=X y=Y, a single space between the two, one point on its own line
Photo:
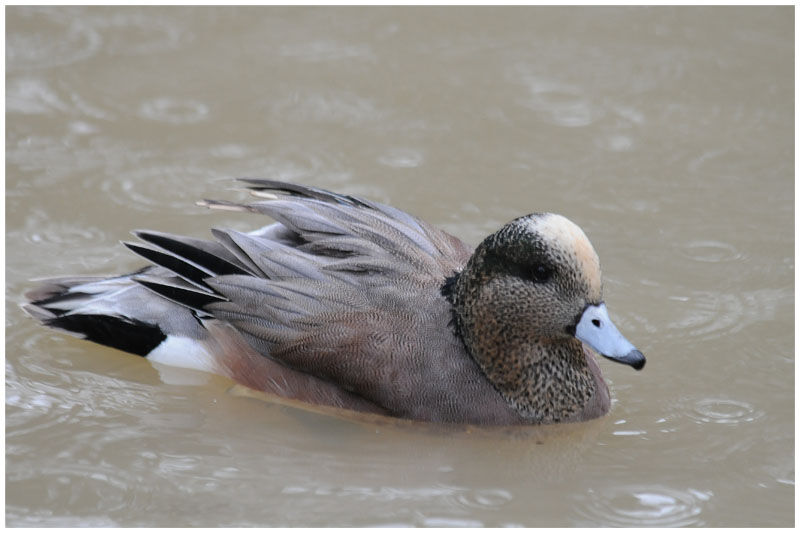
x=347 y=303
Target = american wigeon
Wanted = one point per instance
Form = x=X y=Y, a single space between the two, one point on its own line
x=349 y=303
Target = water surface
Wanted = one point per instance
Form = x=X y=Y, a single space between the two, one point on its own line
x=666 y=133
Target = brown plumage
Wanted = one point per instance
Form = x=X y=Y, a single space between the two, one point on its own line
x=353 y=304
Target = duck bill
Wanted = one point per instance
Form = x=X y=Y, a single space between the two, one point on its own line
x=596 y=329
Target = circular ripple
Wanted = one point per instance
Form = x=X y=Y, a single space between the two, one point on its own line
x=711 y=251
x=560 y=104
x=174 y=111
x=64 y=234
x=720 y=411
x=643 y=506
x=32 y=96
x=484 y=498
x=145 y=188
x=711 y=315
x=39 y=38
x=72 y=245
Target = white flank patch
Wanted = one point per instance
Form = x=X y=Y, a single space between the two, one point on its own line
x=183 y=352
x=172 y=375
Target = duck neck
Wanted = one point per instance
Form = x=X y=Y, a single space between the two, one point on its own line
x=545 y=380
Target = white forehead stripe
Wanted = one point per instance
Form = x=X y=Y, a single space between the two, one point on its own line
x=562 y=233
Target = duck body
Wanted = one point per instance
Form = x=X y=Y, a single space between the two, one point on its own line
x=349 y=303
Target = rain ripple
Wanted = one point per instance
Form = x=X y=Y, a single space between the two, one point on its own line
x=711 y=251
x=143 y=188
x=71 y=244
x=44 y=38
x=716 y=418
x=560 y=104
x=484 y=498
x=39 y=38
x=721 y=411
x=39 y=228
x=713 y=315
x=642 y=506
x=174 y=111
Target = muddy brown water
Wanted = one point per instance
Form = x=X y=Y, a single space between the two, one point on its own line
x=666 y=133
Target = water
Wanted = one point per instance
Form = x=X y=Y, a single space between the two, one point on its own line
x=666 y=133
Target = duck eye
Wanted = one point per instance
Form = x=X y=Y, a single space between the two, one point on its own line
x=541 y=273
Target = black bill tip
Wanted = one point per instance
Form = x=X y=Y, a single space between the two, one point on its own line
x=634 y=358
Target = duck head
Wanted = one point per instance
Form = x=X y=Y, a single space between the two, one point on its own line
x=528 y=297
